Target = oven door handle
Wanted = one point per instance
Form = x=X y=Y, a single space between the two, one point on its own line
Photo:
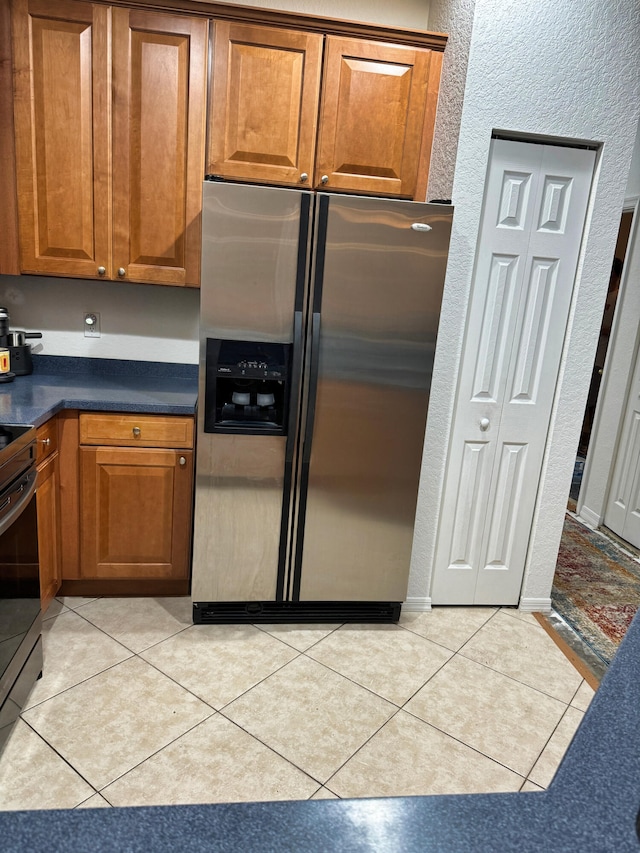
x=18 y=499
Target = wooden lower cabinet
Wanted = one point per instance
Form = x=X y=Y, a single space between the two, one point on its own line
x=127 y=503
x=48 y=507
x=136 y=513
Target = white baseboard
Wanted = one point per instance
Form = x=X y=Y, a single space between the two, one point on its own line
x=535 y=605
x=589 y=516
x=417 y=604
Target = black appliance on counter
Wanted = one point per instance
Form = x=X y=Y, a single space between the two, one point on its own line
x=20 y=616
x=16 y=343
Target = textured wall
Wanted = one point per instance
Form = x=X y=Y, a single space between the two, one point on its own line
x=561 y=69
x=454 y=17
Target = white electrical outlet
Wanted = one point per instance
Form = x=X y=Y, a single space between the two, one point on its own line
x=91 y=325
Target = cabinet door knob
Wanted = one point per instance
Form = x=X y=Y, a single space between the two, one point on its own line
x=102 y=270
x=303 y=177
x=121 y=271
x=45 y=441
x=182 y=461
x=324 y=179
x=484 y=424
x=136 y=432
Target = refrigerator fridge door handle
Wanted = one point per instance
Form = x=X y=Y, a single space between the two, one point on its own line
x=306 y=449
x=295 y=390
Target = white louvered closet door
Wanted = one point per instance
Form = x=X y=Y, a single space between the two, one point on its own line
x=532 y=222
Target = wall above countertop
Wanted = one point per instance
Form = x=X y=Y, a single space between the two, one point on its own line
x=133 y=326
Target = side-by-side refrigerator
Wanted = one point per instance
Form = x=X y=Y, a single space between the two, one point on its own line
x=318 y=324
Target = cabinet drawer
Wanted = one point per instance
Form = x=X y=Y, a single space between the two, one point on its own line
x=136 y=430
x=47 y=436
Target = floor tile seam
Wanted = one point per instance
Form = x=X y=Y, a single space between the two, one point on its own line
x=97 y=627
x=97 y=794
x=549 y=739
x=430 y=639
x=351 y=681
x=249 y=689
x=432 y=676
x=100 y=790
x=475 y=749
x=120 y=642
x=393 y=702
x=469 y=638
x=177 y=683
x=264 y=631
x=427 y=639
x=77 y=684
x=65 y=760
x=512 y=678
x=533 y=783
x=272 y=748
x=359 y=749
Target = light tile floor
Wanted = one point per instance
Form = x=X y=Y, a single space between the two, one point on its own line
x=137 y=706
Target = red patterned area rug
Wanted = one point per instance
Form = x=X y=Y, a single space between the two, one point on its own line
x=596 y=588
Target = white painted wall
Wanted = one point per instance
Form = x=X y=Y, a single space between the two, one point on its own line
x=411 y=14
x=559 y=69
x=139 y=322
x=619 y=364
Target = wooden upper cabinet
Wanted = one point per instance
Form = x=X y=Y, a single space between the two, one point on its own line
x=159 y=85
x=110 y=140
x=372 y=116
x=62 y=136
x=264 y=103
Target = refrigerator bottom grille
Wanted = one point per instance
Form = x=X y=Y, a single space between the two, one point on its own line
x=220 y=612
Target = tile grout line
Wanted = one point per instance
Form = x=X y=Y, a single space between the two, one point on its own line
x=66 y=761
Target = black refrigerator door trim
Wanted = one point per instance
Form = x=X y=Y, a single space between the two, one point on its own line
x=295 y=386
x=321 y=239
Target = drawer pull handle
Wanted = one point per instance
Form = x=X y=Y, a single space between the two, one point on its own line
x=136 y=432
x=45 y=441
x=182 y=461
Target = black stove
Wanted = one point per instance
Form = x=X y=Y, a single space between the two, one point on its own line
x=20 y=617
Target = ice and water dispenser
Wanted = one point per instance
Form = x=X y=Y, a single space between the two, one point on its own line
x=247 y=387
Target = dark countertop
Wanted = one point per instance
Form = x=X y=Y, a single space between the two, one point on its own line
x=93 y=384
x=591 y=805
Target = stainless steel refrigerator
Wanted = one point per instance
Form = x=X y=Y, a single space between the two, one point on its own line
x=318 y=324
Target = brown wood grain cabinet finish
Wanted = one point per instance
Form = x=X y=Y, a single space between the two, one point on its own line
x=110 y=133
x=159 y=85
x=9 y=242
x=61 y=106
x=136 y=512
x=136 y=430
x=264 y=103
x=48 y=506
x=372 y=117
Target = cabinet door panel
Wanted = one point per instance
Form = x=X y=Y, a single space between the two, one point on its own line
x=136 y=509
x=371 y=117
x=62 y=136
x=264 y=103
x=48 y=504
x=159 y=68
